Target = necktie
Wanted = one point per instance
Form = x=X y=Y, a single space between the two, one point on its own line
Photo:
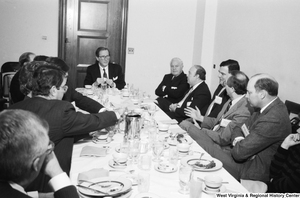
x=217 y=125
x=185 y=97
x=210 y=107
x=104 y=73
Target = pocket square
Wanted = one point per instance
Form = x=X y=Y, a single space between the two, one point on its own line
x=115 y=78
x=93 y=151
x=173 y=87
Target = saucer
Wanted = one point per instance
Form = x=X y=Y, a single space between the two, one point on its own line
x=103 y=141
x=222 y=190
x=115 y=165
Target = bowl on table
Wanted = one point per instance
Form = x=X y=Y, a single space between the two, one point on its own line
x=183 y=148
x=163 y=127
x=213 y=183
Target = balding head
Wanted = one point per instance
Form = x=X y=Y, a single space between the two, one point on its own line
x=262 y=89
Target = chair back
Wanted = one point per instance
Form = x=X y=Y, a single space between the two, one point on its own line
x=8 y=69
x=294 y=108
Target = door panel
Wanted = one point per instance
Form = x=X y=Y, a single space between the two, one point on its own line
x=89 y=25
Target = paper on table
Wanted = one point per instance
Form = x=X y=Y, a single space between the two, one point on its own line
x=93 y=173
x=173 y=121
x=93 y=151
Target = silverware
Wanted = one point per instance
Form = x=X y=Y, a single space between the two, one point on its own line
x=93 y=190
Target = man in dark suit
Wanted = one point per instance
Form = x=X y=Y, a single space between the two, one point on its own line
x=256 y=142
x=173 y=86
x=234 y=113
x=103 y=72
x=220 y=96
x=49 y=86
x=197 y=96
x=25 y=151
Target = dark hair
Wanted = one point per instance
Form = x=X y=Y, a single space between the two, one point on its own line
x=268 y=85
x=239 y=81
x=201 y=72
x=40 y=58
x=45 y=77
x=231 y=64
x=25 y=58
x=26 y=73
x=58 y=62
x=101 y=49
x=20 y=142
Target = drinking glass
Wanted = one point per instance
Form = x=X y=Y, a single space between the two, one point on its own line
x=184 y=178
x=152 y=110
x=134 y=151
x=195 y=186
x=158 y=148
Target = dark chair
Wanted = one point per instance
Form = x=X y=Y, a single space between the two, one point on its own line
x=8 y=70
x=294 y=108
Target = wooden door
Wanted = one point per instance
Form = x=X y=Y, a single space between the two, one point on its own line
x=86 y=25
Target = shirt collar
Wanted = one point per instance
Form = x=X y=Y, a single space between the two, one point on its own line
x=237 y=99
x=17 y=187
x=262 y=109
x=196 y=85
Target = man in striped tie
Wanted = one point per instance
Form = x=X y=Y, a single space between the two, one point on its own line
x=234 y=113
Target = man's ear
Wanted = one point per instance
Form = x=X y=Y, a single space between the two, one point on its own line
x=53 y=91
x=36 y=164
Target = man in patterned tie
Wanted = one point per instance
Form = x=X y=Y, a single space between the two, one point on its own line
x=234 y=113
x=220 y=96
x=104 y=72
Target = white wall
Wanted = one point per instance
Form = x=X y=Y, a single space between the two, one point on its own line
x=264 y=36
x=23 y=23
x=158 y=31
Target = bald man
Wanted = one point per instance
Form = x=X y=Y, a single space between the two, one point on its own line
x=255 y=142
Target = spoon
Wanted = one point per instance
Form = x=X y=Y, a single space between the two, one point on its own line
x=201 y=156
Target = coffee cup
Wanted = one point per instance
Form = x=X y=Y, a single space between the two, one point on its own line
x=183 y=148
x=120 y=158
x=163 y=127
x=213 y=183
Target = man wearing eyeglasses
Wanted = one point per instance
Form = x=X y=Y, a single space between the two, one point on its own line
x=48 y=89
x=104 y=72
x=24 y=152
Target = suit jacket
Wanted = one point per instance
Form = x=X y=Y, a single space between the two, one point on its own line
x=14 y=89
x=267 y=131
x=114 y=72
x=216 y=108
x=63 y=120
x=83 y=102
x=238 y=114
x=6 y=191
x=199 y=97
x=175 y=88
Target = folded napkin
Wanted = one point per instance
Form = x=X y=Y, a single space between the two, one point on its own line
x=93 y=151
x=92 y=174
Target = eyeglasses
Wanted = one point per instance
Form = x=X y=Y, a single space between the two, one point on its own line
x=50 y=148
x=65 y=88
x=104 y=57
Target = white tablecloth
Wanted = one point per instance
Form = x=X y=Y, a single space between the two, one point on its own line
x=165 y=185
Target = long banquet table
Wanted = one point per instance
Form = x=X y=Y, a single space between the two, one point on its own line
x=164 y=185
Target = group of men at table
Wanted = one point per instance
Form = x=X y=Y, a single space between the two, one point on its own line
x=242 y=125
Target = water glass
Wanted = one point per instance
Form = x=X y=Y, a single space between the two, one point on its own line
x=143 y=182
x=195 y=187
x=173 y=155
x=158 y=148
x=145 y=162
x=134 y=151
x=184 y=178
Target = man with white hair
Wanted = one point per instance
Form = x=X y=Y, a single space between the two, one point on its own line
x=173 y=86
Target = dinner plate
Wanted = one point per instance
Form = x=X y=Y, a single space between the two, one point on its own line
x=146 y=194
x=165 y=167
x=222 y=190
x=192 y=160
x=174 y=141
x=113 y=164
x=110 y=186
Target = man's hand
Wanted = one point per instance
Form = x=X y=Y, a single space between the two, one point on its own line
x=51 y=165
x=193 y=113
x=291 y=140
x=100 y=81
x=110 y=82
x=172 y=107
